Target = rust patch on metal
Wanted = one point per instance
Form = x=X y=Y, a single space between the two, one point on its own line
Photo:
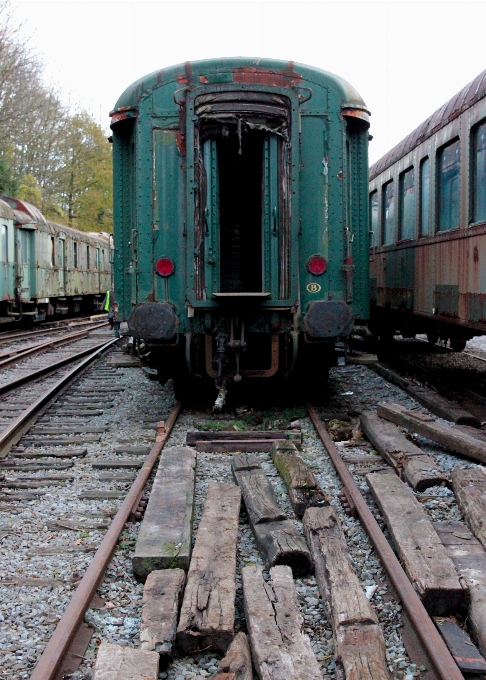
x=181 y=142
x=356 y=113
x=340 y=174
x=254 y=75
x=203 y=79
x=150 y=297
x=182 y=80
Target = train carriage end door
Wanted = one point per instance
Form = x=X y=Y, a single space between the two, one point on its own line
x=240 y=194
x=61 y=263
x=25 y=279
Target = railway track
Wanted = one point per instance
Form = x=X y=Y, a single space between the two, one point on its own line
x=11 y=338
x=112 y=604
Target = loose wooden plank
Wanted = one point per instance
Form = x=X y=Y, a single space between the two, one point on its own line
x=165 y=536
x=72 y=429
x=470 y=490
x=277 y=538
x=258 y=494
x=304 y=491
x=236 y=665
x=114 y=662
x=21 y=495
x=435 y=403
x=451 y=437
x=21 y=484
x=469 y=557
x=20 y=466
x=421 y=552
x=280 y=648
x=208 y=607
x=136 y=450
x=234 y=435
x=162 y=596
x=75 y=412
x=413 y=465
x=460 y=646
x=359 y=642
x=113 y=464
x=239 y=446
x=51 y=441
x=96 y=494
x=32 y=452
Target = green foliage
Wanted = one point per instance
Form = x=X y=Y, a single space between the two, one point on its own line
x=57 y=160
x=8 y=181
x=29 y=190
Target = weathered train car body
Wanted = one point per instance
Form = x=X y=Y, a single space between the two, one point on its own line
x=428 y=223
x=241 y=231
x=49 y=269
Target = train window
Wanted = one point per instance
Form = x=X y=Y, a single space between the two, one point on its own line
x=97 y=258
x=374 y=219
x=4 y=243
x=75 y=254
x=53 y=252
x=425 y=196
x=102 y=259
x=448 y=174
x=407 y=205
x=87 y=258
x=479 y=174
x=388 y=213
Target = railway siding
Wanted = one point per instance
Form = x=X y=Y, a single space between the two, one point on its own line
x=352 y=390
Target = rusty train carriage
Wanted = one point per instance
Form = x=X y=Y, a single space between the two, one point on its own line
x=240 y=217
x=48 y=269
x=428 y=224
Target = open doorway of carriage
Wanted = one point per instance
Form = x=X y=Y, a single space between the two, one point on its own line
x=240 y=160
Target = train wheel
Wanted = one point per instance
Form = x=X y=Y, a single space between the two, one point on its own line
x=433 y=335
x=458 y=342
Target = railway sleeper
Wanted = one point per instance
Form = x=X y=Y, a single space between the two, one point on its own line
x=277 y=538
x=359 y=641
x=420 y=549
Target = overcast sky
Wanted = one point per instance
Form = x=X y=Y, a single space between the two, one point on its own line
x=406 y=59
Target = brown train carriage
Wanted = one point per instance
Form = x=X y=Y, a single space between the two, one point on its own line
x=428 y=226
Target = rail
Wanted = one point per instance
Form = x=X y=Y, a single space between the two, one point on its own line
x=430 y=638
x=49 y=664
x=12 y=433
x=17 y=355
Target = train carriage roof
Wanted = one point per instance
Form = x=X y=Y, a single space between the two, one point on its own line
x=239 y=70
x=24 y=213
x=469 y=95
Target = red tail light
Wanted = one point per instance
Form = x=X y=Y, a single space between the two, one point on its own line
x=165 y=267
x=317 y=265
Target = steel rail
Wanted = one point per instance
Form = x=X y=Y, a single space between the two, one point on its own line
x=9 y=385
x=12 y=433
x=19 y=354
x=8 y=336
x=428 y=634
x=49 y=664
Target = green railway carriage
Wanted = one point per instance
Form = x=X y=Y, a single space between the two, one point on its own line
x=241 y=234
x=49 y=270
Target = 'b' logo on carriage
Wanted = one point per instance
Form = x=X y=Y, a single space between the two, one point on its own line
x=313 y=287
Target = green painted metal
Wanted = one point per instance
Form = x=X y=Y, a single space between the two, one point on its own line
x=157 y=177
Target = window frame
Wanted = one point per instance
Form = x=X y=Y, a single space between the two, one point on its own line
x=472 y=221
x=401 y=198
x=374 y=234
x=383 y=213
x=439 y=185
